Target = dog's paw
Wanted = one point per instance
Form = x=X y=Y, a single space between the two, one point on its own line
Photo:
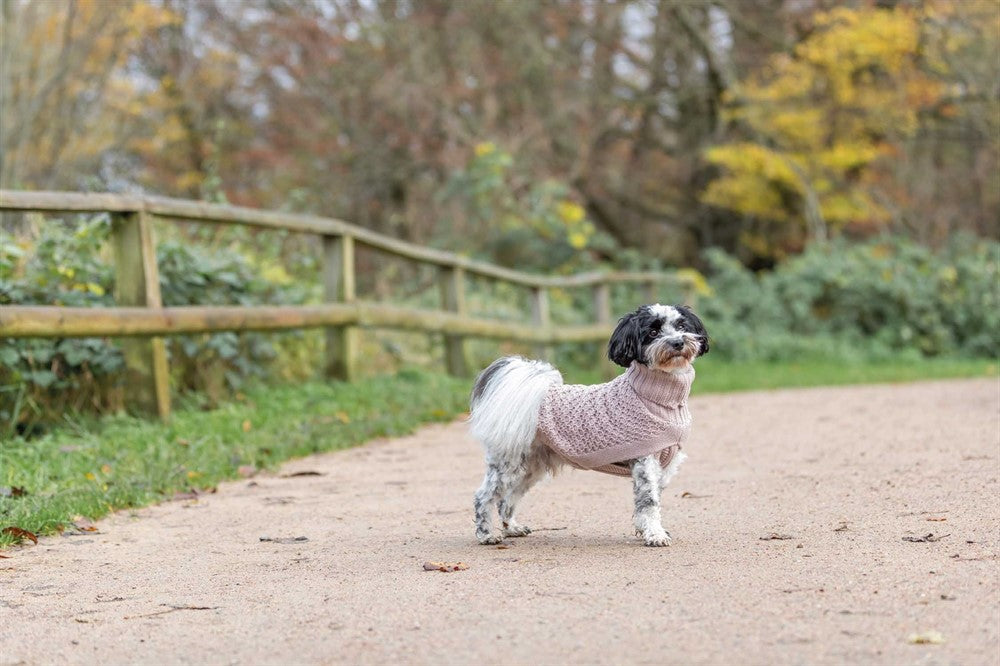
x=516 y=530
x=490 y=539
x=657 y=539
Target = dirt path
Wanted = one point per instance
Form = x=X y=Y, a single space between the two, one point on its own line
x=846 y=473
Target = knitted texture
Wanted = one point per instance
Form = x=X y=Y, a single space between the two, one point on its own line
x=640 y=413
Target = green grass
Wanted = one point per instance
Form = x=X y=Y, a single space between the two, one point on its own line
x=94 y=467
x=720 y=376
x=717 y=375
x=91 y=467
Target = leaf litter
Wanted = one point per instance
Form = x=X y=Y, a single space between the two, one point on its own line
x=927 y=538
x=926 y=638
x=171 y=609
x=20 y=534
x=286 y=540
x=446 y=567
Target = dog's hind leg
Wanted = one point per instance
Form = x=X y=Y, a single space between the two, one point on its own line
x=646 y=474
x=512 y=489
x=485 y=498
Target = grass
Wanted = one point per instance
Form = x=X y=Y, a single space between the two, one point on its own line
x=718 y=375
x=715 y=376
x=94 y=467
x=91 y=467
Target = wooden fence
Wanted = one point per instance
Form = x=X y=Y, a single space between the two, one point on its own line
x=142 y=320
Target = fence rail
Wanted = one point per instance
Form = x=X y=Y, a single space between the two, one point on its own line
x=142 y=320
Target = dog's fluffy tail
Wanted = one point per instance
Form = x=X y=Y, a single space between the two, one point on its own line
x=505 y=402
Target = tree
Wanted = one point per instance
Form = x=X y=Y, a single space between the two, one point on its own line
x=828 y=136
x=66 y=96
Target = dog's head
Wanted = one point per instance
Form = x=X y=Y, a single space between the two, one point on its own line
x=664 y=337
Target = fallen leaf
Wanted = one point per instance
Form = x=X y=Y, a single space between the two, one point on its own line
x=687 y=495
x=246 y=471
x=446 y=567
x=83 y=524
x=297 y=539
x=502 y=547
x=936 y=520
x=247 y=425
x=774 y=536
x=304 y=473
x=5 y=557
x=19 y=534
x=841 y=528
x=171 y=610
x=926 y=638
x=927 y=538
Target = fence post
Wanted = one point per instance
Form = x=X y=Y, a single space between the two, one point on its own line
x=452 y=280
x=338 y=286
x=541 y=319
x=688 y=293
x=649 y=293
x=602 y=312
x=137 y=283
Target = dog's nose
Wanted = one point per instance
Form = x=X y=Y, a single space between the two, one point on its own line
x=677 y=344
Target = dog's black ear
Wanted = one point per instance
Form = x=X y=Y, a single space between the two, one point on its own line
x=695 y=326
x=625 y=344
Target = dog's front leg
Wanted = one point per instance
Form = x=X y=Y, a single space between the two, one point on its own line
x=646 y=487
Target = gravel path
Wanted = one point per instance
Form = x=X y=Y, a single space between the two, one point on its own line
x=841 y=475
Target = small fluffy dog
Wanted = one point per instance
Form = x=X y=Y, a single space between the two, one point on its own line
x=531 y=424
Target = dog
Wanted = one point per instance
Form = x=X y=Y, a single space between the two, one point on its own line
x=531 y=424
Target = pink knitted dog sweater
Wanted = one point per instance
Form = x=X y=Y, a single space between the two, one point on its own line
x=640 y=413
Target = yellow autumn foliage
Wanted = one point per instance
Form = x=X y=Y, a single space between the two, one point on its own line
x=820 y=119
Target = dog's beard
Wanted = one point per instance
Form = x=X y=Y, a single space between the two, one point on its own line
x=662 y=356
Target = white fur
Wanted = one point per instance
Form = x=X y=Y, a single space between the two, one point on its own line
x=505 y=416
x=667 y=311
x=671 y=470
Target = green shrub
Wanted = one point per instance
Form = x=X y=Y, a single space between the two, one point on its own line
x=887 y=298
x=43 y=379
x=869 y=300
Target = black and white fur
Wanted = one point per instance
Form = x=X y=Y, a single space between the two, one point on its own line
x=504 y=417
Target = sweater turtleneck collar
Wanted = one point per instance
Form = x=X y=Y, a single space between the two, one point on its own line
x=663 y=388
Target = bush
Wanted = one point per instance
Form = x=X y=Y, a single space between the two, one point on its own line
x=884 y=298
x=867 y=300
x=42 y=379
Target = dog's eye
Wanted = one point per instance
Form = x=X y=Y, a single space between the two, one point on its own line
x=653 y=333
x=681 y=325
